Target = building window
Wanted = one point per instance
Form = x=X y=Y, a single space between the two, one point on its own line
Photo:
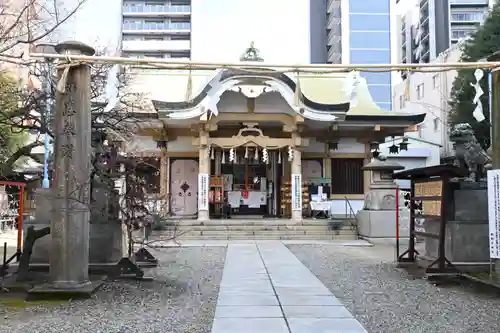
x=435 y=81
x=347 y=176
x=420 y=91
x=436 y=124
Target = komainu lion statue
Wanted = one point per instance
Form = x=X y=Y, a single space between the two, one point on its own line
x=468 y=152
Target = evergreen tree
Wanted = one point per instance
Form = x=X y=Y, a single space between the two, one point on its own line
x=483 y=42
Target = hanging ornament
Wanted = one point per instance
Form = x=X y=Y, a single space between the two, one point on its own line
x=256 y=156
x=223 y=161
x=189 y=87
x=235 y=157
x=246 y=152
x=231 y=155
x=212 y=153
x=478 y=111
x=279 y=156
x=265 y=157
x=298 y=93
x=290 y=154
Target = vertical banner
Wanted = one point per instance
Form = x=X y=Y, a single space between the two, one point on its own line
x=202 y=191
x=494 y=212
x=297 y=192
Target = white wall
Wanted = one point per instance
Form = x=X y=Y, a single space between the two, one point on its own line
x=223 y=29
x=434 y=101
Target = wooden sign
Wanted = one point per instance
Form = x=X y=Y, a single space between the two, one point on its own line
x=431 y=190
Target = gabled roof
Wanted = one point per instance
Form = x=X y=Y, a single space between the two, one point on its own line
x=324 y=97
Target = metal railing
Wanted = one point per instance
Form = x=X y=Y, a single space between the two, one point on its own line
x=156 y=26
x=156 y=9
x=351 y=216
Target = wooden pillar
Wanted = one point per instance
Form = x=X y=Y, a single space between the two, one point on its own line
x=204 y=168
x=69 y=257
x=296 y=168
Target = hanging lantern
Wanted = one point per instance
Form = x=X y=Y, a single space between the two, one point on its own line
x=223 y=161
x=333 y=145
x=393 y=149
x=246 y=152
x=212 y=153
x=162 y=144
x=256 y=156
x=374 y=145
x=403 y=145
x=279 y=156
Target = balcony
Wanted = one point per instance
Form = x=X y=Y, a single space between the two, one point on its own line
x=155 y=46
x=151 y=27
x=130 y=10
x=469 y=2
x=467 y=17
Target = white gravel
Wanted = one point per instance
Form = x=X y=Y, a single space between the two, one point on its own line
x=182 y=298
x=385 y=299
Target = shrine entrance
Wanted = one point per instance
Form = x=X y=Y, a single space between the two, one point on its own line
x=247 y=170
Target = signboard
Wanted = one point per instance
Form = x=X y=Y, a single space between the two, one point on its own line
x=494 y=212
x=202 y=191
x=432 y=189
x=297 y=192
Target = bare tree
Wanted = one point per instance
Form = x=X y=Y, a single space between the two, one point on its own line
x=26 y=22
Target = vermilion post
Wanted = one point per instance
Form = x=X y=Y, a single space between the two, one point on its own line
x=20 y=222
x=397 y=222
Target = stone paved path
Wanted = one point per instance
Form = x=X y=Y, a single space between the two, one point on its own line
x=266 y=289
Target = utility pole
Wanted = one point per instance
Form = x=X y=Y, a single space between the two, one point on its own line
x=47 y=112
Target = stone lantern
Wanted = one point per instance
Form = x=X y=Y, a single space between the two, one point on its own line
x=377 y=219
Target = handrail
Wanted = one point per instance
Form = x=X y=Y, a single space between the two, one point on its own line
x=354 y=226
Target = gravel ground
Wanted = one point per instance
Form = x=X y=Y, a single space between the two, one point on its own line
x=385 y=299
x=182 y=298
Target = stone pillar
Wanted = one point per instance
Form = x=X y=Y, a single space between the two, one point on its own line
x=164 y=181
x=204 y=167
x=69 y=253
x=296 y=168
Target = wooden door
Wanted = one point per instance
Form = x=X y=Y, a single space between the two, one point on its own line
x=184 y=187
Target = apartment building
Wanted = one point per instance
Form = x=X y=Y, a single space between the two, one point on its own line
x=156 y=29
x=432 y=26
x=429 y=93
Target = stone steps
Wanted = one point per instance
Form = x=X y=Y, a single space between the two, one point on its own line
x=271 y=237
x=264 y=230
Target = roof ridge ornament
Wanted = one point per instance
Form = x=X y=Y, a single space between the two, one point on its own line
x=251 y=54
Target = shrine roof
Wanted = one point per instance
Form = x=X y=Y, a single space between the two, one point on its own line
x=324 y=97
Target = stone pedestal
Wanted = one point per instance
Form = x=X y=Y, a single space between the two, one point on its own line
x=467 y=230
x=105 y=234
x=377 y=219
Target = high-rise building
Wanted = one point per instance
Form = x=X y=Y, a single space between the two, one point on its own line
x=358 y=32
x=156 y=28
x=434 y=25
